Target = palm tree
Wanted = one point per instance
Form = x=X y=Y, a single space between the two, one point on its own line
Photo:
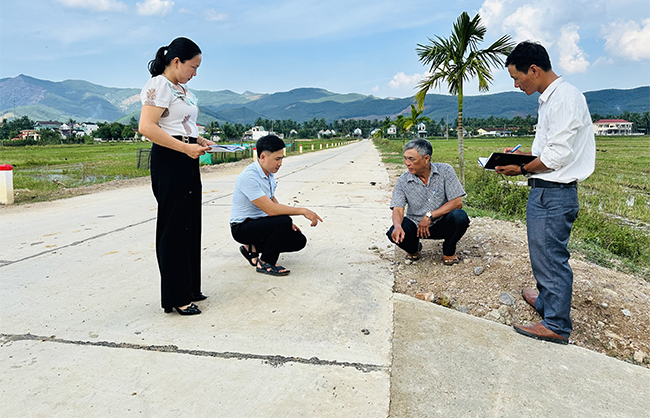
x=383 y=131
x=645 y=119
x=415 y=118
x=212 y=128
x=458 y=59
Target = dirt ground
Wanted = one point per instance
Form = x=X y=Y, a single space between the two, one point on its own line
x=610 y=310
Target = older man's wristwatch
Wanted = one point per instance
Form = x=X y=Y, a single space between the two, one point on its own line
x=428 y=215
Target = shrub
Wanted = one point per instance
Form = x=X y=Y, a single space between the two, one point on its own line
x=488 y=191
x=18 y=143
x=611 y=234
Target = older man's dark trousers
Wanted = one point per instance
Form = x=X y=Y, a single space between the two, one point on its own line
x=271 y=235
x=450 y=228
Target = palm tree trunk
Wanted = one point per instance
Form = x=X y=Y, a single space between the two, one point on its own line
x=461 y=154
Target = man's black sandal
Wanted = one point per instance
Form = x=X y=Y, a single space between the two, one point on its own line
x=249 y=255
x=416 y=256
x=267 y=268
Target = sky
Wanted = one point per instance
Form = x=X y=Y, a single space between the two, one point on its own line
x=351 y=46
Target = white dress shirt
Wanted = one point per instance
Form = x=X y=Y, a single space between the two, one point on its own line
x=564 y=140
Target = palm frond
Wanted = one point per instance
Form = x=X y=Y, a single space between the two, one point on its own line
x=457 y=60
x=433 y=81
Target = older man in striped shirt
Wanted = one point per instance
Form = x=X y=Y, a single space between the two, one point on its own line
x=432 y=196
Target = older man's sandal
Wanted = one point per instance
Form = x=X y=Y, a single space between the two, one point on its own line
x=450 y=261
x=416 y=256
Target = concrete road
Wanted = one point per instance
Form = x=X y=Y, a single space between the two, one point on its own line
x=82 y=333
x=449 y=364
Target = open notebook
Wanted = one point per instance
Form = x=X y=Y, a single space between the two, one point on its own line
x=502 y=158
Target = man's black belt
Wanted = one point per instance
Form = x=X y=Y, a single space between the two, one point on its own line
x=185 y=138
x=232 y=224
x=551 y=184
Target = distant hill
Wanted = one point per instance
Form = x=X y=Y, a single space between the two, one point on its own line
x=63 y=100
x=84 y=101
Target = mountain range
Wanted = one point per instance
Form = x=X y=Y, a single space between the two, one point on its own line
x=84 y=101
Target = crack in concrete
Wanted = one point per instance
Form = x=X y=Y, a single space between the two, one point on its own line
x=75 y=243
x=272 y=360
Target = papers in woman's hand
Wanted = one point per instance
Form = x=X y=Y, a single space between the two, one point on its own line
x=225 y=148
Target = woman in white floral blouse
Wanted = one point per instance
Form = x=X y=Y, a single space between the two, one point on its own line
x=168 y=119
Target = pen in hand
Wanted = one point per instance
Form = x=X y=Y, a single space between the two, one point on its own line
x=515 y=148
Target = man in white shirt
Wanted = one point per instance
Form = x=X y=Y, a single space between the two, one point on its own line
x=566 y=154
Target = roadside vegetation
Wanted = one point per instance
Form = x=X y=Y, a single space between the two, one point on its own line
x=613 y=227
x=43 y=172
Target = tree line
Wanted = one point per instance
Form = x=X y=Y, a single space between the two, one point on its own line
x=106 y=131
x=406 y=126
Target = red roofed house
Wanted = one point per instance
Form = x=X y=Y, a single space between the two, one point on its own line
x=612 y=127
x=28 y=134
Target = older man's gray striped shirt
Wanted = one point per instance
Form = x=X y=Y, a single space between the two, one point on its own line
x=410 y=192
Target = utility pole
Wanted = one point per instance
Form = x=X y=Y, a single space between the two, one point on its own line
x=447 y=127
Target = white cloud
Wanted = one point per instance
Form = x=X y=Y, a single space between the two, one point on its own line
x=492 y=11
x=628 y=39
x=212 y=15
x=572 y=58
x=530 y=23
x=401 y=80
x=375 y=89
x=542 y=21
x=155 y=7
x=97 y=5
x=603 y=61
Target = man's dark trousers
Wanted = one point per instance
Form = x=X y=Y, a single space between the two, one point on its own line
x=270 y=235
x=450 y=227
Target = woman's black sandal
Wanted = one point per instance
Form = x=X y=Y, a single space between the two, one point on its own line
x=249 y=255
x=190 y=310
x=267 y=268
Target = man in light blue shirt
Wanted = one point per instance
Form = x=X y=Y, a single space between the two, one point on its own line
x=258 y=220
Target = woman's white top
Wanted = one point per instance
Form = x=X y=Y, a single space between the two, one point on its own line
x=180 y=104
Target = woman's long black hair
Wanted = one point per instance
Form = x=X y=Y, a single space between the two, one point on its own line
x=181 y=48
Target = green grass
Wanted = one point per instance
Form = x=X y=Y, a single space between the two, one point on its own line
x=613 y=227
x=41 y=171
